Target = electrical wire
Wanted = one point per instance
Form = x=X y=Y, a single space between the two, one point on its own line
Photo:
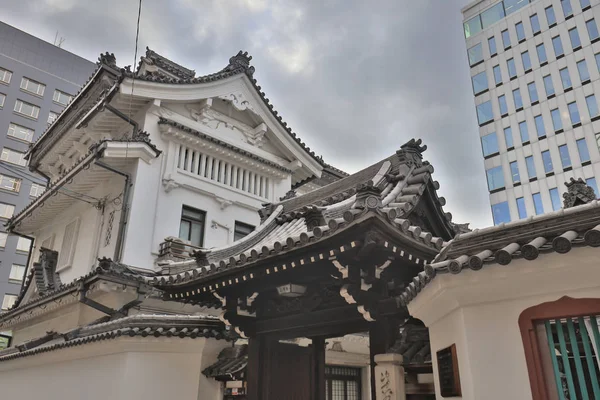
x=137 y=36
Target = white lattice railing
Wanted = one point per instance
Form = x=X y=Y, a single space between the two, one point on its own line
x=221 y=171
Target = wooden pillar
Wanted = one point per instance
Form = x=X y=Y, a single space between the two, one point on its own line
x=318 y=368
x=256 y=368
x=382 y=335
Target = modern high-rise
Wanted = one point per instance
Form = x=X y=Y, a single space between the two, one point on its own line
x=37 y=80
x=536 y=81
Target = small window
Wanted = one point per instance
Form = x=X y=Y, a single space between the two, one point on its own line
x=548 y=85
x=191 y=227
x=565 y=159
x=475 y=54
x=472 y=26
x=514 y=171
x=521 y=208
x=10 y=184
x=535 y=23
x=556 y=120
x=558 y=48
x=480 y=83
x=241 y=230
x=508 y=138
x=52 y=117
x=592 y=106
x=555 y=198
x=2 y=100
x=497 y=75
x=550 y=16
x=20 y=132
x=503 y=105
x=512 y=69
x=584 y=154
x=574 y=113
x=566 y=6
x=533 y=95
x=537 y=204
x=23 y=244
x=492 y=45
x=506 y=39
x=3 y=237
x=541 y=52
x=8 y=301
x=5 y=76
x=501 y=213
x=530 y=167
x=62 y=97
x=485 y=113
x=13 y=157
x=17 y=273
x=526 y=60
x=591 y=182
x=524 y=132
x=584 y=74
x=592 y=29
x=565 y=78
x=517 y=98
x=489 y=144
x=547 y=161
x=495 y=178
x=69 y=242
x=539 y=125
x=27 y=109
x=33 y=87
x=36 y=190
x=575 y=40
x=584 y=3
x=520 y=31
x=342 y=383
x=6 y=210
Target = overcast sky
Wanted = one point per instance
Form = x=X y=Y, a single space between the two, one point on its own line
x=354 y=79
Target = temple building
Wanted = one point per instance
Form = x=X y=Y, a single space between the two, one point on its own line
x=189 y=245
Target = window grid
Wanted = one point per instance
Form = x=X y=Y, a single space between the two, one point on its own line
x=61 y=97
x=17 y=272
x=10 y=184
x=5 y=76
x=13 y=157
x=36 y=190
x=27 y=109
x=241 y=230
x=191 y=227
x=52 y=117
x=6 y=210
x=20 y=132
x=34 y=87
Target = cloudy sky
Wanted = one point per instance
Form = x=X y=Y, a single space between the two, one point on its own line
x=355 y=79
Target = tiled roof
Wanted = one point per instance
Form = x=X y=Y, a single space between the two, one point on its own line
x=168 y=65
x=176 y=326
x=230 y=365
x=413 y=344
x=537 y=236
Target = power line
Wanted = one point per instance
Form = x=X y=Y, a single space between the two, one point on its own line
x=137 y=36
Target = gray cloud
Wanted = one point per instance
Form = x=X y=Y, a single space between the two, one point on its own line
x=354 y=79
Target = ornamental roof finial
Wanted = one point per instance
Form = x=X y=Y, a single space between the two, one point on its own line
x=578 y=193
x=107 y=59
x=241 y=60
x=411 y=152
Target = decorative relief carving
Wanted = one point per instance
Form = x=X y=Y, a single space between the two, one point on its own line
x=386 y=386
x=238 y=101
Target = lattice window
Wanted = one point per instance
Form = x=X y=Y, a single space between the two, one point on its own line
x=342 y=383
x=109 y=228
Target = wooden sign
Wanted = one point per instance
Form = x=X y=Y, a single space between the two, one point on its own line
x=449 y=376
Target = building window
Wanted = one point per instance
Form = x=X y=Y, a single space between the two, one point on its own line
x=566 y=6
x=548 y=85
x=547 y=161
x=555 y=198
x=497 y=75
x=541 y=52
x=506 y=39
x=520 y=31
x=62 y=97
x=17 y=272
x=69 y=242
x=524 y=132
x=489 y=144
x=23 y=244
x=565 y=78
x=526 y=60
x=521 y=208
x=584 y=4
x=480 y=83
x=501 y=213
x=485 y=113
x=13 y=157
x=591 y=182
x=558 y=48
x=575 y=40
x=342 y=383
x=20 y=132
x=36 y=190
x=27 y=109
x=492 y=15
x=503 y=105
x=512 y=69
x=530 y=167
x=475 y=54
x=533 y=96
x=535 y=24
x=584 y=154
x=584 y=74
x=565 y=159
x=592 y=105
x=5 y=76
x=241 y=230
x=574 y=113
x=3 y=237
x=514 y=171
x=6 y=210
x=2 y=100
x=556 y=120
x=33 y=87
x=508 y=137
x=517 y=98
x=592 y=29
x=9 y=183
x=537 y=204
x=550 y=16
x=8 y=301
x=191 y=227
x=492 y=45
x=52 y=117
x=495 y=178
x=472 y=26
x=539 y=126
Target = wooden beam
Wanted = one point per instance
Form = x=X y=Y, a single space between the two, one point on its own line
x=318 y=368
x=257 y=354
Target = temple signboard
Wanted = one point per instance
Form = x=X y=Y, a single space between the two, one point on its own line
x=449 y=377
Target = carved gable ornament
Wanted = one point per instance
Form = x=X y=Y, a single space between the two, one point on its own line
x=578 y=193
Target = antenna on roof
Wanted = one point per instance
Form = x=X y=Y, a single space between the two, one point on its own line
x=58 y=41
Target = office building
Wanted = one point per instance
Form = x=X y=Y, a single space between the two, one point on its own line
x=535 y=76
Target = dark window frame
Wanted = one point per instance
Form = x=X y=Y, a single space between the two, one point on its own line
x=239 y=230
x=192 y=220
